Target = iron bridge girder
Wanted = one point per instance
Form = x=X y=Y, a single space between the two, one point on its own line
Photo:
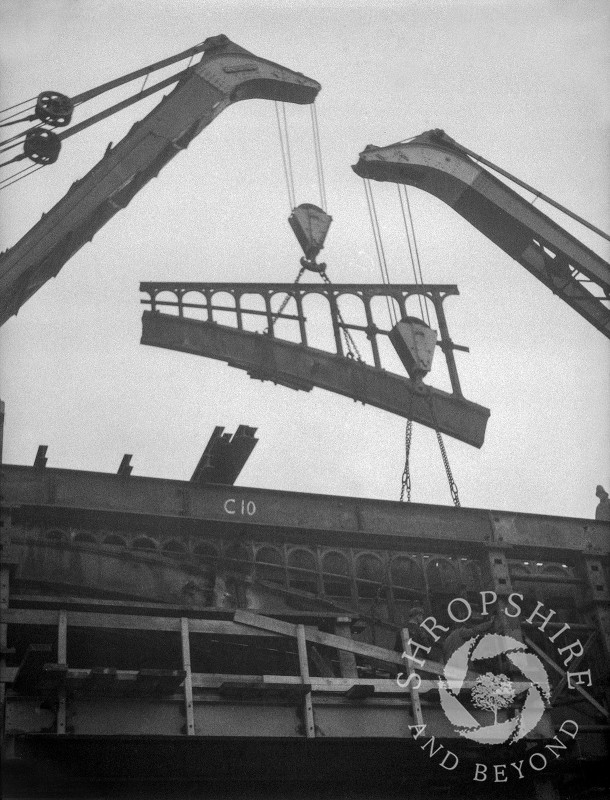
x=302 y=367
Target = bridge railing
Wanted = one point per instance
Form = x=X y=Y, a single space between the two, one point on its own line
x=355 y=320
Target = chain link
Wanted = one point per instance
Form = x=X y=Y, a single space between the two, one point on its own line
x=406 y=474
x=452 y=484
x=286 y=300
x=352 y=348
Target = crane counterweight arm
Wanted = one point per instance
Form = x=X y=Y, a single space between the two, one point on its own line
x=225 y=74
x=437 y=164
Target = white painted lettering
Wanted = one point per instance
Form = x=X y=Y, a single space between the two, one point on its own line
x=559 y=746
x=500 y=770
x=565 y=627
x=431 y=628
x=542 y=763
x=493 y=598
x=579 y=682
x=413 y=657
x=567 y=732
x=468 y=609
x=405 y=684
x=419 y=730
x=431 y=742
x=446 y=756
x=514 y=605
x=480 y=772
x=575 y=651
x=536 y=613
x=245 y=507
x=518 y=765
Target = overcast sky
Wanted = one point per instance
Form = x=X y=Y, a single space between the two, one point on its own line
x=524 y=84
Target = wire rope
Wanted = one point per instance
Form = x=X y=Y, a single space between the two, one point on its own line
x=22 y=103
x=385 y=277
x=411 y=253
x=6 y=123
x=414 y=237
x=288 y=155
x=285 y=162
x=11 y=179
x=318 y=155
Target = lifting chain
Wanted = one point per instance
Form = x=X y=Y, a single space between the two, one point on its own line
x=406 y=474
x=452 y=484
x=352 y=349
x=286 y=300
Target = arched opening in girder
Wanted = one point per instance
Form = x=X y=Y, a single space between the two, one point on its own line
x=302 y=571
x=336 y=575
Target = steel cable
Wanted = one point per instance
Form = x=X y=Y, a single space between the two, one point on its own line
x=318 y=155
x=385 y=278
x=285 y=162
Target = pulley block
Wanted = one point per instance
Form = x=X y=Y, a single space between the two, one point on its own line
x=42 y=146
x=310 y=225
x=54 y=109
x=414 y=342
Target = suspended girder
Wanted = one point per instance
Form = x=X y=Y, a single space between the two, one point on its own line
x=301 y=367
x=226 y=73
x=437 y=164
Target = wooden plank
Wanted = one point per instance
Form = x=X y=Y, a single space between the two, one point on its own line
x=347 y=660
x=258 y=689
x=312 y=635
x=188 y=680
x=90 y=604
x=85 y=619
x=62 y=658
x=310 y=728
x=62 y=638
x=157 y=682
x=340 y=643
x=562 y=672
x=415 y=701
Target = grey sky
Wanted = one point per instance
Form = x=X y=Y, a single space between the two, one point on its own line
x=523 y=83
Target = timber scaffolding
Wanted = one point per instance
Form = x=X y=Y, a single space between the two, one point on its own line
x=158 y=630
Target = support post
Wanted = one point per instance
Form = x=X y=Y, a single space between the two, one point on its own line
x=334 y=315
x=298 y=298
x=371 y=331
x=62 y=659
x=188 y=678
x=447 y=347
x=4 y=599
x=347 y=660
x=310 y=730
x=415 y=701
x=598 y=592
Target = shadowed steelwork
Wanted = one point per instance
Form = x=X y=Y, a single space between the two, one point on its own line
x=437 y=164
x=225 y=74
x=267 y=356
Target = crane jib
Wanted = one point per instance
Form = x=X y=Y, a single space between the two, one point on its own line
x=225 y=74
x=438 y=165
